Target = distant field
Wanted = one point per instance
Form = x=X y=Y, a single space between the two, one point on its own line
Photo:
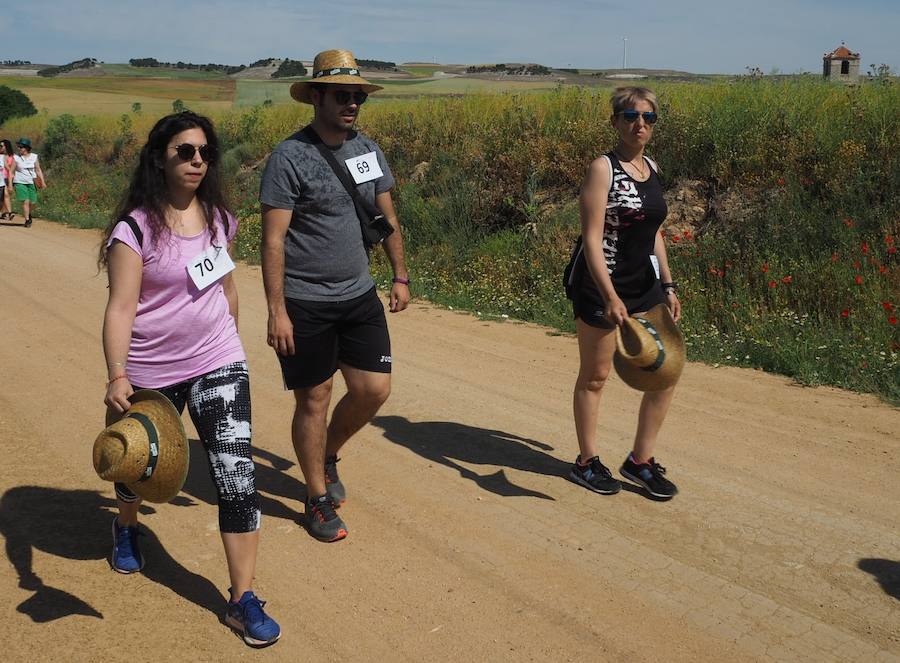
x=112 y=94
x=251 y=92
x=157 y=72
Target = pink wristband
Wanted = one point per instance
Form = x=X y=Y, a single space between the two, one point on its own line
x=397 y=279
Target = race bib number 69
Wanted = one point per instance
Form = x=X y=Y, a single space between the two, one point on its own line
x=364 y=168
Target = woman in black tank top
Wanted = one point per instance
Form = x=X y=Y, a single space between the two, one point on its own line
x=620 y=268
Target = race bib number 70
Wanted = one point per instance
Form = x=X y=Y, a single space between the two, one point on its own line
x=208 y=267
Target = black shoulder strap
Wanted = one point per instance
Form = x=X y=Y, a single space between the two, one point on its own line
x=138 y=233
x=361 y=204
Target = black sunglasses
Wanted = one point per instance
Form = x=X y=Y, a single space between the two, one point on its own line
x=632 y=115
x=186 y=152
x=343 y=97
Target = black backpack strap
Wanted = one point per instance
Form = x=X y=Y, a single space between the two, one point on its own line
x=362 y=205
x=138 y=233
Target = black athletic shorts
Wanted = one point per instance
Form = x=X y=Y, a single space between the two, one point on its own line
x=353 y=332
x=589 y=305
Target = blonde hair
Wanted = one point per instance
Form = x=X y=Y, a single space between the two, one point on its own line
x=624 y=98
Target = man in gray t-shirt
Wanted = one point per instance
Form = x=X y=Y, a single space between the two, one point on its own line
x=324 y=312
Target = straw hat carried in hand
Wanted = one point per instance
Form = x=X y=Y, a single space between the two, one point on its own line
x=337 y=67
x=649 y=350
x=146 y=449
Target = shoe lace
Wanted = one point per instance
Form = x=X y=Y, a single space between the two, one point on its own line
x=656 y=468
x=125 y=538
x=253 y=610
x=324 y=510
x=599 y=468
x=331 y=475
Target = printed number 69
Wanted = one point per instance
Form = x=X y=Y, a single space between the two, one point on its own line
x=362 y=167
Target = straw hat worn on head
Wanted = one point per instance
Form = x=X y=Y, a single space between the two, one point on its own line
x=146 y=449
x=337 y=67
x=649 y=350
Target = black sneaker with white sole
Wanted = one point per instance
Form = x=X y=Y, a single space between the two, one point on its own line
x=650 y=476
x=594 y=476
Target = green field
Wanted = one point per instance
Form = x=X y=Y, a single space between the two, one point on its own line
x=126 y=70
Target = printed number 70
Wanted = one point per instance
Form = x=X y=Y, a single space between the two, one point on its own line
x=207 y=263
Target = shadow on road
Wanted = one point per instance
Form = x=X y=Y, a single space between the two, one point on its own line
x=447 y=442
x=76 y=525
x=886 y=572
x=271 y=479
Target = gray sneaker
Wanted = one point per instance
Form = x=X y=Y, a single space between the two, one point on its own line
x=333 y=484
x=322 y=520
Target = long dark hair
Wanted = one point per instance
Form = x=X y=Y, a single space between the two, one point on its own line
x=8 y=150
x=149 y=191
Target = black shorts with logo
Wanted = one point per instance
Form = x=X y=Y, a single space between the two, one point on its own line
x=589 y=305
x=352 y=332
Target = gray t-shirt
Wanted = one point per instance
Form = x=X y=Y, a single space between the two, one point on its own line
x=324 y=255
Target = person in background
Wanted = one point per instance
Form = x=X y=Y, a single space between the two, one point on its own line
x=7 y=169
x=26 y=177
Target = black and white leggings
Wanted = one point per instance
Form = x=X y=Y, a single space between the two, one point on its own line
x=219 y=405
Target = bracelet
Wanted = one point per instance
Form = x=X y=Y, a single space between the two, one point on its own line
x=398 y=279
x=670 y=286
x=118 y=377
x=117 y=363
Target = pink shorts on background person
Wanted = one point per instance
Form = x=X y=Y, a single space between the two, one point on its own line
x=179 y=332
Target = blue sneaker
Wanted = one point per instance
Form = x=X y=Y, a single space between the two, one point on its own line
x=126 y=554
x=248 y=618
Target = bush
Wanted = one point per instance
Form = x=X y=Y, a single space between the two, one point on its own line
x=14 y=103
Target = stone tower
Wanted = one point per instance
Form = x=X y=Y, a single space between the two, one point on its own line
x=841 y=64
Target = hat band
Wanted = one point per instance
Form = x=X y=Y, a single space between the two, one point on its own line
x=661 y=356
x=336 y=71
x=154 y=443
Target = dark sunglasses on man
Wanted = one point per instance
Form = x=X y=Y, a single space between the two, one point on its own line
x=343 y=97
x=186 y=152
x=632 y=115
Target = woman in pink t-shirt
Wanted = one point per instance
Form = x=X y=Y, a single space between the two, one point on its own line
x=171 y=325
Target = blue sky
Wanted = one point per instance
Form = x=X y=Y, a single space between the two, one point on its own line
x=701 y=36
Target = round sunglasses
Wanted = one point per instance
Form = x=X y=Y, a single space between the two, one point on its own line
x=343 y=97
x=632 y=115
x=186 y=152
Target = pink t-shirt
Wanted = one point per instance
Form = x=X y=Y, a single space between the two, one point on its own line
x=179 y=332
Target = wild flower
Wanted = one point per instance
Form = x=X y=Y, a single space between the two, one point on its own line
x=849 y=222
x=773 y=284
x=787 y=279
x=858 y=280
x=892 y=320
x=887 y=306
x=865 y=247
x=845 y=313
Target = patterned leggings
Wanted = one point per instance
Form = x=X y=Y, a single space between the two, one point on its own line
x=219 y=405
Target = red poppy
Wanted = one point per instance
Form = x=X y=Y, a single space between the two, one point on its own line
x=845 y=313
x=834 y=257
x=773 y=284
x=856 y=264
x=780 y=181
x=858 y=280
x=865 y=247
x=848 y=223
x=889 y=240
x=887 y=306
x=892 y=250
x=688 y=235
x=675 y=239
x=765 y=267
x=713 y=270
x=892 y=320
x=787 y=279
x=882 y=269
x=720 y=273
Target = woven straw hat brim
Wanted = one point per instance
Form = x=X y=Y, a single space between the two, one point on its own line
x=121 y=452
x=636 y=351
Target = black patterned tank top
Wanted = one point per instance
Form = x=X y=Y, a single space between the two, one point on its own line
x=634 y=212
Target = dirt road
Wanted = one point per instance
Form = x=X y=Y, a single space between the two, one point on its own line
x=466 y=542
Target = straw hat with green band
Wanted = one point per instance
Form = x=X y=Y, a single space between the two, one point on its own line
x=649 y=350
x=146 y=448
x=335 y=67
